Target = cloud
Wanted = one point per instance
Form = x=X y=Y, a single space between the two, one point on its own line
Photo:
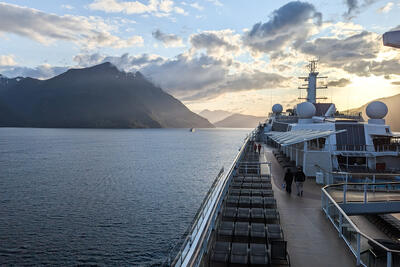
x=7 y=60
x=184 y=75
x=40 y=72
x=191 y=78
x=197 y=6
x=374 y=67
x=215 y=2
x=169 y=40
x=361 y=54
x=216 y=42
x=67 y=7
x=255 y=80
x=396 y=28
x=354 y=7
x=291 y=24
x=160 y=8
x=343 y=29
x=386 y=8
x=125 y=62
x=46 y=28
x=335 y=52
x=339 y=83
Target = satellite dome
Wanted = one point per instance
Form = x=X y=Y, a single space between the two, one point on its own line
x=277 y=108
x=377 y=110
x=305 y=110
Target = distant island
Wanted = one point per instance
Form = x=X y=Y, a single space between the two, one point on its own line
x=225 y=119
x=214 y=116
x=96 y=97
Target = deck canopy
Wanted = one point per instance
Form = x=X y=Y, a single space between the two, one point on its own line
x=299 y=136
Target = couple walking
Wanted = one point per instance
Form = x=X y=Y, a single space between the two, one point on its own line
x=299 y=178
x=257 y=146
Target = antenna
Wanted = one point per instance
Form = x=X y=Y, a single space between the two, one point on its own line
x=312 y=66
x=311 y=85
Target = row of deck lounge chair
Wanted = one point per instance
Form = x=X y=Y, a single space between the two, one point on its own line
x=248 y=232
x=284 y=161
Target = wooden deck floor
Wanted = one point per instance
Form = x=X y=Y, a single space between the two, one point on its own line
x=312 y=240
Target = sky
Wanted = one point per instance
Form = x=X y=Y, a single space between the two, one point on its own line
x=236 y=55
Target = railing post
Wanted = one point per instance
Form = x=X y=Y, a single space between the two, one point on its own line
x=358 y=249
x=389 y=259
x=340 y=224
x=373 y=180
x=365 y=193
x=327 y=206
x=322 y=200
x=344 y=191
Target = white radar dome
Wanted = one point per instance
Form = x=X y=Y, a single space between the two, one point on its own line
x=377 y=110
x=305 y=110
x=277 y=108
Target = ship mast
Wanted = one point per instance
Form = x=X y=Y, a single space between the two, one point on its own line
x=311 y=85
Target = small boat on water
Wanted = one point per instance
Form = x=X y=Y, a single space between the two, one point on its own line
x=192 y=130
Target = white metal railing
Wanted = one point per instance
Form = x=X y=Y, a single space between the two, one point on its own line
x=365 y=192
x=332 y=177
x=349 y=115
x=204 y=219
x=395 y=147
x=358 y=242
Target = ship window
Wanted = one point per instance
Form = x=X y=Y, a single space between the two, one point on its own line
x=387 y=130
x=316 y=144
x=354 y=134
x=351 y=161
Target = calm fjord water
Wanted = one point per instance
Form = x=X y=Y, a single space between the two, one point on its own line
x=107 y=197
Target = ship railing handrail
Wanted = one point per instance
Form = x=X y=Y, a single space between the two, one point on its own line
x=367 y=175
x=363 y=187
x=358 y=231
x=351 y=222
x=393 y=147
x=195 y=219
x=348 y=115
x=200 y=213
x=188 y=233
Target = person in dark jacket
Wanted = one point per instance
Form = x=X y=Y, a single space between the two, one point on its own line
x=288 y=180
x=255 y=147
x=299 y=178
x=259 y=148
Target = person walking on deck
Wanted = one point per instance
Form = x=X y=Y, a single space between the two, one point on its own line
x=288 y=180
x=259 y=148
x=299 y=178
x=255 y=147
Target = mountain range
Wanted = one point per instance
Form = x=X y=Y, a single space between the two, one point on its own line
x=226 y=119
x=96 y=97
x=240 y=121
x=215 y=115
x=391 y=118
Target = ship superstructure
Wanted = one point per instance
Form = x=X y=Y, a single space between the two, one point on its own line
x=246 y=218
x=321 y=140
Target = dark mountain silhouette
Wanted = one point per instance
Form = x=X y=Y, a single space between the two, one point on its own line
x=393 y=104
x=240 y=121
x=214 y=115
x=97 y=97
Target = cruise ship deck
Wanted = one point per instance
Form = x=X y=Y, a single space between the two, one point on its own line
x=248 y=230
x=248 y=219
x=311 y=239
